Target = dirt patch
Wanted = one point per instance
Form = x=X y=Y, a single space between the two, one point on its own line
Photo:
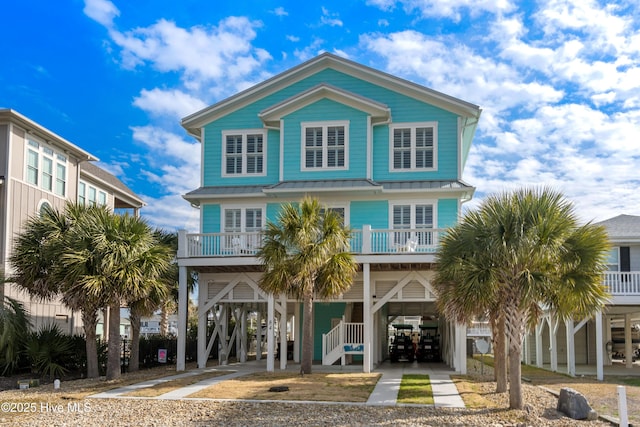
x=327 y=387
x=167 y=386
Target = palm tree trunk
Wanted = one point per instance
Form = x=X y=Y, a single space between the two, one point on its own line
x=113 y=357
x=90 y=321
x=134 y=355
x=164 y=319
x=514 y=331
x=307 y=335
x=500 y=353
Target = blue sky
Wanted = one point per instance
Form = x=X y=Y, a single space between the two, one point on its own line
x=558 y=81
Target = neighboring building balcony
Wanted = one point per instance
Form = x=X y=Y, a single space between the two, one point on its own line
x=624 y=287
x=365 y=242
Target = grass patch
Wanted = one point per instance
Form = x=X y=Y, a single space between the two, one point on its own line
x=167 y=386
x=415 y=388
x=325 y=387
x=634 y=382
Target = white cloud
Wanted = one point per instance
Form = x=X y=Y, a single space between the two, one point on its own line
x=173 y=103
x=279 y=11
x=230 y=56
x=451 y=9
x=331 y=19
x=293 y=38
x=101 y=11
x=171 y=213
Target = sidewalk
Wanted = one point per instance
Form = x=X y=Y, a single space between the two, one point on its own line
x=385 y=393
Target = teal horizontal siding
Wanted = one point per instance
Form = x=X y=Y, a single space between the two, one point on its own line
x=403 y=109
x=370 y=212
x=210 y=218
x=447 y=213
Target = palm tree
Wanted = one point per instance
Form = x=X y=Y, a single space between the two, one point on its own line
x=14 y=330
x=130 y=262
x=36 y=264
x=520 y=252
x=306 y=254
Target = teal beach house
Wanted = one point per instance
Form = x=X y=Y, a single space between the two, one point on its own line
x=386 y=153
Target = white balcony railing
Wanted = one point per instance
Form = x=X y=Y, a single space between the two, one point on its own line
x=622 y=283
x=365 y=241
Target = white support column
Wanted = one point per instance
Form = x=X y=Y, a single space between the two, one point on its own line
x=270 y=337
x=628 y=345
x=296 y=332
x=259 y=333
x=527 y=349
x=599 y=344
x=539 y=355
x=243 y=335
x=223 y=347
x=553 y=342
x=461 y=348
x=366 y=318
x=571 y=348
x=202 y=327
x=182 y=318
x=283 y=333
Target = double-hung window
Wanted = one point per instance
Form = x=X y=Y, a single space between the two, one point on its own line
x=416 y=223
x=325 y=145
x=414 y=146
x=243 y=152
x=90 y=195
x=242 y=226
x=46 y=168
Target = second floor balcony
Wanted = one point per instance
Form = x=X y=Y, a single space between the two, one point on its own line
x=365 y=241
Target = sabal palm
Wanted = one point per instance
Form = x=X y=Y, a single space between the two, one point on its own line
x=36 y=266
x=306 y=254
x=519 y=252
x=128 y=263
x=14 y=330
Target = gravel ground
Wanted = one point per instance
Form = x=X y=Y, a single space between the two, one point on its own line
x=143 y=412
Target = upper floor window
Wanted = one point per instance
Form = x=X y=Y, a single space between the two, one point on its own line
x=241 y=226
x=413 y=218
x=325 y=145
x=46 y=168
x=88 y=194
x=244 y=152
x=414 y=146
x=613 y=262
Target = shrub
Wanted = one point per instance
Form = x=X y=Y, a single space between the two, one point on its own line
x=51 y=351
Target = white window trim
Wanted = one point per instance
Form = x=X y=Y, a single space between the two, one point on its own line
x=55 y=160
x=344 y=206
x=244 y=133
x=413 y=126
x=413 y=204
x=324 y=125
x=87 y=186
x=243 y=208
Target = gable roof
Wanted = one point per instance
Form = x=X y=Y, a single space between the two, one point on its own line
x=124 y=196
x=31 y=127
x=194 y=122
x=623 y=228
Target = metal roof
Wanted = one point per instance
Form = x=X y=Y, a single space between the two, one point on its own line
x=324 y=185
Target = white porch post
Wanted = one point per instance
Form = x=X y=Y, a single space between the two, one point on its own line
x=599 y=344
x=461 y=347
x=243 y=335
x=296 y=332
x=182 y=318
x=270 y=337
x=628 y=346
x=202 y=327
x=553 y=342
x=366 y=317
x=539 y=356
x=258 y=335
x=283 y=333
x=223 y=347
x=571 y=349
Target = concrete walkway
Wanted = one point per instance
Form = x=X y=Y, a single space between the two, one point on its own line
x=445 y=393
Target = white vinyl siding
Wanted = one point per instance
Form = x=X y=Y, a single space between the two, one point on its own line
x=244 y=153
x=325 y=145
x=413 y=146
